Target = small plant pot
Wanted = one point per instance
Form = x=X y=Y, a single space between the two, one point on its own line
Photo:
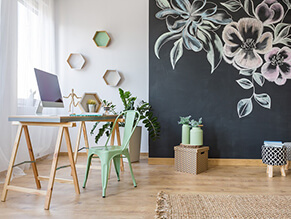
x=106 y=110
x=185 y=134
x=92 y=108
x=196 y=136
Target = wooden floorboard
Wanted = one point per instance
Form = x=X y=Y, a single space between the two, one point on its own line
x=125 y=201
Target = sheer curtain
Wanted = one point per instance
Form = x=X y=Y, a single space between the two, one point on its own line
x=36 y=49
x=36 y=46
x=8 y=77
x=26 y=42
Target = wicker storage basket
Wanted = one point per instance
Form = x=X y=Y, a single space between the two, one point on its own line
x=191 y=160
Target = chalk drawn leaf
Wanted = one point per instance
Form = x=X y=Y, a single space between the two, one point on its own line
x=264 y=100
x=166 y=37
x=288 y=3
x=247 y=72
x=279 y=27
x=176 y=52
x=245 y=83
x=232 y=5
x=244 y=107
x=213 y=46
x=163 y=4
x=259 y=78
x=281 y=32
x=286 y=41
x=249 y=7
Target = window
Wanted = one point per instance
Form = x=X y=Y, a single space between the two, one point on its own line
x=35 y=43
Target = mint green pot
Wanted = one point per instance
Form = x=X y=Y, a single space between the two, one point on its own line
x=185 y=134
x=196 y=136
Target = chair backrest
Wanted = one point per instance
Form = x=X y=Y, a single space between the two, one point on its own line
x=130 y=117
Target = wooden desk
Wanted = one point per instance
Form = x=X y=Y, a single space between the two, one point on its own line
x=63 y=122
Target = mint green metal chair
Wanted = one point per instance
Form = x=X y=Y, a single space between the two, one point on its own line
x=107 y=153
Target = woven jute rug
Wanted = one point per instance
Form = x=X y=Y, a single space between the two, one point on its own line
x=223 y=206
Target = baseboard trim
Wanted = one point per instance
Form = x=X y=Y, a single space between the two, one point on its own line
x=211 y=162
x=161 y=161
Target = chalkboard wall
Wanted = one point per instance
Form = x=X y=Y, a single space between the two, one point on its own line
x=191 y=89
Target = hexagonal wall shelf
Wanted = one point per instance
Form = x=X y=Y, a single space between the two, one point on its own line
x=101 y=38
x=83 y=102
x=112 y=77
x=76 y=61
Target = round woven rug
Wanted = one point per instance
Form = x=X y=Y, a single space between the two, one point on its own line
x=222 y=206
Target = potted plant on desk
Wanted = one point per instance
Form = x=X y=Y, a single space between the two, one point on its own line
x=108 y=107
x=91 y=105
x=146 y=116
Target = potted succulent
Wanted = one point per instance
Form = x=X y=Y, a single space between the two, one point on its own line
x=185 y=122
x=196 y=133
x=146 y=117
x=108 y=107
x=91 y=105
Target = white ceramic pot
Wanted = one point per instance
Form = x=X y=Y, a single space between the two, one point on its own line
x=91 y=108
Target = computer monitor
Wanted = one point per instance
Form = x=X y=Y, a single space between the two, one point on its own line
x=49 y=90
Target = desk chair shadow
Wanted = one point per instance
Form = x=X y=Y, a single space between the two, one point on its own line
x=107 y=153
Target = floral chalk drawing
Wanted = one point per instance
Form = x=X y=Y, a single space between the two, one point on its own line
x=257 y=45
x=270 y=11
x=278 y=65
x=193 y=26
x=244 y=42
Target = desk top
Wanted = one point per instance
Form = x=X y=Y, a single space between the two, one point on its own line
x=60 y=119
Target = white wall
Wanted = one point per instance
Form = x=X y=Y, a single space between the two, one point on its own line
x=126 y=21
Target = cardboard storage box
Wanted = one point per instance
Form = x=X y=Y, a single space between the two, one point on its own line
x=191 y=160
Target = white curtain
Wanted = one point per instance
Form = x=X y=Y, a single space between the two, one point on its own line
x=19 y=54
x=8 y=77
x=36 y=49
x=36 y=45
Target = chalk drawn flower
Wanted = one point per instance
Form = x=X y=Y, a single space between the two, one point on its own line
x=192 y=25
x=270 y=11
x=244 y=42
x=278 y=65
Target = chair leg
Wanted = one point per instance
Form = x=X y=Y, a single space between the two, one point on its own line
x=131 y=172
x=87 y=169
x=116 y=161
x=104 y=176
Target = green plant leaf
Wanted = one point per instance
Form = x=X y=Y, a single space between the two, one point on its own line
x=184 y=120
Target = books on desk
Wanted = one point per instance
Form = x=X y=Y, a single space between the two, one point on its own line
x=274 y=143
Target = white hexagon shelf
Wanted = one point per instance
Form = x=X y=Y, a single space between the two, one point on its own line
x=89 y=96
x=76 y=61
x=112 y=77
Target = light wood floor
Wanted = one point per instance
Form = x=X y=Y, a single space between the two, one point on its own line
x=125 y=201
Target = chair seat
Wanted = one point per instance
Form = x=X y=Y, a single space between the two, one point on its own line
x=108 y=148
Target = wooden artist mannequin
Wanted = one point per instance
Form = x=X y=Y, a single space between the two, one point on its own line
x=72 y=103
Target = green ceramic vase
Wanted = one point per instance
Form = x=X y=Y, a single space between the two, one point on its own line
x=185 y=134
x=196 y=136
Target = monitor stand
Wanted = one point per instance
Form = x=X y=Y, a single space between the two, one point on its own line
x=39 y=108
